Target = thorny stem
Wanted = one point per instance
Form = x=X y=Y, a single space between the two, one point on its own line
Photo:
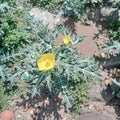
x=115 y=81
x=63 y=89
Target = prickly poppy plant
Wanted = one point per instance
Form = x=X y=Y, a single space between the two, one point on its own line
x=58 y=68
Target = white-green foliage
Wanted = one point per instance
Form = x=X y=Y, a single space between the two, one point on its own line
x=14 y=30
x=50 y=5
x=4 y=7
x=92 y=4
x=73 y=8
x=93 y=1
x=8 y=1
x=109 y=47
x=114 y=45
x=71 y=66
x=100 y=1
x=115 y=1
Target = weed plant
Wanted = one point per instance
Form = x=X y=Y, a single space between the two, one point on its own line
x=14 y=30
x=59 y=68
x=115 y=30
x=10 y=2
x=51 y=5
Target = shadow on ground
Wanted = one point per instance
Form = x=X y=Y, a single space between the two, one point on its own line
x=110 y=65
x=114 y=102
x=71 y=24
x=42 y=108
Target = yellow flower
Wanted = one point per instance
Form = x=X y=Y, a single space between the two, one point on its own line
x=46 y=62
x=67 y=40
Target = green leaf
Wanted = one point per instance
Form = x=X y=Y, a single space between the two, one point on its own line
x=114 y=87
x=118 y=94
x=35 y=91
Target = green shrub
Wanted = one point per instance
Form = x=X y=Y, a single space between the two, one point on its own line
x=115 y=30
x=74 y=8
x=9 y=1
x=114 y=34
x=81 y=96
x=4 y=7
x=14 y=30
x=50 y=5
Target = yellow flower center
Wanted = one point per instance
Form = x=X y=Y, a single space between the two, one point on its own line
x=47 y=64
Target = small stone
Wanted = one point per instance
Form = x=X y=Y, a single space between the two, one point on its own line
x=36 y=105
x=103 y=55
x=7 y=115
x=46 y=101
x=31 y=112
x=96 y=54
x=18 y=116
x=107 y=81
x=91 y=106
